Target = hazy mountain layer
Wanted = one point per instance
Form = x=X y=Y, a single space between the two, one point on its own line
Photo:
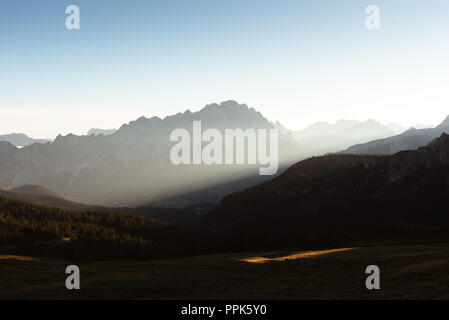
x=409 y=140
x=20 y=139
x=105 y=132
x=324 y=137
x=132 y=165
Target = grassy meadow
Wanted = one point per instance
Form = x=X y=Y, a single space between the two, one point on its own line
x=407 y=272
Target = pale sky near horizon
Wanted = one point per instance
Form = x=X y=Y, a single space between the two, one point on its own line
x=295 y=61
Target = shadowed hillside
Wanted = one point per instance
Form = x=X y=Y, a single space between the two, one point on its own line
x=340 y=198
x=35 y=190
x=42 y=196
x=185 y=217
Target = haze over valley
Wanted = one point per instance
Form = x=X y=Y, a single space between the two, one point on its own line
x=131 y=166
x=224 y=150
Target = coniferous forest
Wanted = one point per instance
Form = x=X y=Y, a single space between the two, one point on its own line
x=31 y=229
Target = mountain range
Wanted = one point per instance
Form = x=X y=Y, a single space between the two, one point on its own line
x=324 y=137
x=408 y=140
x=132 y=166
x=20 y=139
x=328 y=200
x=398 y=129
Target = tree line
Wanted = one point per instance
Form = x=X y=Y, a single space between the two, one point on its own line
x=44 y=231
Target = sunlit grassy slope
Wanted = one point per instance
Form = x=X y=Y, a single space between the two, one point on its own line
x=409 y=271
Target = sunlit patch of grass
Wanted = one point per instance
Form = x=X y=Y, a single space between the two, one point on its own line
x=20 y=258
x=294 y=256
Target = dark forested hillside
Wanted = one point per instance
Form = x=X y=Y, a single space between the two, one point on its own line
x=340 y=198
x=188 y=217
x=38 y=230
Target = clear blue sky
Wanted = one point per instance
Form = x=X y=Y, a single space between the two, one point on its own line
x=295 y=61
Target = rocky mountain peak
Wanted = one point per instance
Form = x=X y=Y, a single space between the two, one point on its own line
x=133 y=164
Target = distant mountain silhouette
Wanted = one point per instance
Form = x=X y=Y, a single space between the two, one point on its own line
x=132 y=166
x=337 y=197
x=105 y=132
x=409 y=140
x=324 y=137
x=282 y=129
x=20 y=139
x=397 y=128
